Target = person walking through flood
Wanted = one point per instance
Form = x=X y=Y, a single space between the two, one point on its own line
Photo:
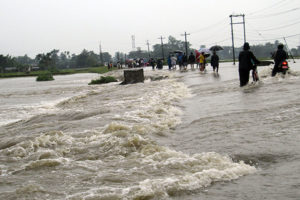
x=180 y=60
x=279 y=56
x=214 y=61
x=169 y=62
x=159 y=63
x=173 y=61
x=202 y=61
x=246 y=57
x=152 y=63
x=192 y=60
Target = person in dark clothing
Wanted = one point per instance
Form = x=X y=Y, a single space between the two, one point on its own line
x=214 y=61
x=159 y=64
x=152 y=63
x=246 y=61
x=279 y=56
x=192 y=60
x=184 y=61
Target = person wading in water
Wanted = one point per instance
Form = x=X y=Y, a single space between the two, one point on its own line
x=246 y=60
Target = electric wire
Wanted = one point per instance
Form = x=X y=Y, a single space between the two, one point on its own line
x=275 y=14
x=278 y=38
x=264 y=9
x=288 y=25
x=209 y=26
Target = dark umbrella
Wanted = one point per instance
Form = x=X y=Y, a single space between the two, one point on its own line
x=216 y=48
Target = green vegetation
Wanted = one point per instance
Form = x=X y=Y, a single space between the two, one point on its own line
x=103 y=79
x=100 y=70
x=46 y=76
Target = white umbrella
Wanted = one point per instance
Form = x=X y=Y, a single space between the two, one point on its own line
x=204 y=50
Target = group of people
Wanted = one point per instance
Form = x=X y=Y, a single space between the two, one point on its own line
x=137 y=62
x=248 y=62
x=182 y=60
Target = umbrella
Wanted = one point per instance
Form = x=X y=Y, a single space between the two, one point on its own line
x=204 y=50
x=216 y=48
x=205 y=54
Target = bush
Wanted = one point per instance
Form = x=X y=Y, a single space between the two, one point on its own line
x=103 y=79
x=45 y=77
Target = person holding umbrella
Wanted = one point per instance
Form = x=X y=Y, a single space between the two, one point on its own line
x=214 y=61
x=215 y=58
x=192 y=60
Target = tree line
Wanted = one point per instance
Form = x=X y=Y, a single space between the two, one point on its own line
x=61 y=60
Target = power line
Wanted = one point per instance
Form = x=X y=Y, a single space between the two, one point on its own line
x=275 y=14
x=218 y=42
x=263 y=9
x=279 y=27
x=279 y=38
x=209 y=26
x=216 y=33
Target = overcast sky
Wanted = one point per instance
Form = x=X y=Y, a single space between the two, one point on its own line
x=38 y=26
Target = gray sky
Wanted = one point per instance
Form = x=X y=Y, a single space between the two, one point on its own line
x=38 y=26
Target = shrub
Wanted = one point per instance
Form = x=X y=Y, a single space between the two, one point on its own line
x=45 y=77
x=103 y=79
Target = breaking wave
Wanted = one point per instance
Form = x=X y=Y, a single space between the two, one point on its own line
x=117 y=155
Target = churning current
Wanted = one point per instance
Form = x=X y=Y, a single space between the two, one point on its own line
x=178 y=135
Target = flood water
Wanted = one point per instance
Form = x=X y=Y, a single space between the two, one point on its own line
x=178 y=135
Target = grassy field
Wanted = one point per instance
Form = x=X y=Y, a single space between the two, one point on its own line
x=100 y=70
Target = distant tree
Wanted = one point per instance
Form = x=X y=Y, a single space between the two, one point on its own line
x=25 y=60
x=87 y=59
x=119 y=56
x=106 y=57
x=172 y=45
x=139 y=53
x=64 y=60
x=7 y=61
x=24 y=63
x=3 y=63
x=48 y=61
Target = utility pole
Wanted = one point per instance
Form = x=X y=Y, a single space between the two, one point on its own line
x=233 y=52
x=133 y=42
x=186 y=47
x=101 y=55
x=244 y=27
x=162 y=47
x=148 y=49
x=231 y=23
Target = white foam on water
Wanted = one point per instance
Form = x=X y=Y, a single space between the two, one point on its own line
x=192 y=173
x=266 y=73
x=124 y=142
